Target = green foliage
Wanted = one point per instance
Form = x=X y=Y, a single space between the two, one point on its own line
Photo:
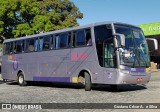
x=25 y=17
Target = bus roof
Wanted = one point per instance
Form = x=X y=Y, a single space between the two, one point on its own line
x=65 y=30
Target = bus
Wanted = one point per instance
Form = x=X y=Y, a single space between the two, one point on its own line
x=110 y=53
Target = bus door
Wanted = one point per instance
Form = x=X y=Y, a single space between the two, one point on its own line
x=108 y=53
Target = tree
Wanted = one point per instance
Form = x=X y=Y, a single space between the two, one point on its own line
x=27 y=17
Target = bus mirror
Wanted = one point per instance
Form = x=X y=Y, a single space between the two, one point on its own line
x=120 y=40
x=152 y=44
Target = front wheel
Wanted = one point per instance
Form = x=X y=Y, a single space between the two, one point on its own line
x=87 y=81
x=21 y=80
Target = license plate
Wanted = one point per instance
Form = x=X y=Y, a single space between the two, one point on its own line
x=139 y=79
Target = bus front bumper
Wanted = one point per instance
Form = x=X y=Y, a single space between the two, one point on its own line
x=141 y=78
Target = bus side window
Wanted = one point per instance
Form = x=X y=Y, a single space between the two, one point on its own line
x=80 y=38
x=64 y=40
x=27 y=46
x=88 y=37
x=57 y=41
x=19 y=46
x=52 y=41
x=31 y=45
x=36 y=44
x=14 y=47
x=46 y=42
x=23 y=45
x=7 y=48
x=41 y=44
x=4 y=48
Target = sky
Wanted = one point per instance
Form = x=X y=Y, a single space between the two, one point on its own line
x=127 y=11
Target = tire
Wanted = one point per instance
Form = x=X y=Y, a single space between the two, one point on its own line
x=87 y=82
x=114 y=87
x=21 y=80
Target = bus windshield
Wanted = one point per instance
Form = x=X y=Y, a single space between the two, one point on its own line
x=135 y=53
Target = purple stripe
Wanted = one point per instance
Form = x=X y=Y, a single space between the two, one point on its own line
x=52 y=79
x=141 y=70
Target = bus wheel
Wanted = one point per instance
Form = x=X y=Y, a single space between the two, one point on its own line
x=21 y=80
x=87 y=82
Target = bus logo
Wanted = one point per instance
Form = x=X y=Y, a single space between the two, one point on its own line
x=80 y=56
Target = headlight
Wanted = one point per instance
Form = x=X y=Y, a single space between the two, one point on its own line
x=148 y=70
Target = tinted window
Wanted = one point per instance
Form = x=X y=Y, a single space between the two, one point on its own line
x=57 y=41
x=11 y=48
x=15 y=47
x=23 y=45
x=46 y=43
x=7 y=49
x=64 y=40
x=80 y=38
x=19 y=47
x=31 y=45
x=88 y=37
x=41 y=44
x=52 y=45
x=27 y=45
x=103 y=45
x=36 y=44
x=102 y=32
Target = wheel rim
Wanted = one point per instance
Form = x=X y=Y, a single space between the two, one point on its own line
x=20 y=79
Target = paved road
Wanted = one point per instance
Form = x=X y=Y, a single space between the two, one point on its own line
x=10 y=92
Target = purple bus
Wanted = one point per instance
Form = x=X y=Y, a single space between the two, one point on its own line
x=101 y=53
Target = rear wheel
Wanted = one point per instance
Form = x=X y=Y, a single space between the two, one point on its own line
x=21 y=80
